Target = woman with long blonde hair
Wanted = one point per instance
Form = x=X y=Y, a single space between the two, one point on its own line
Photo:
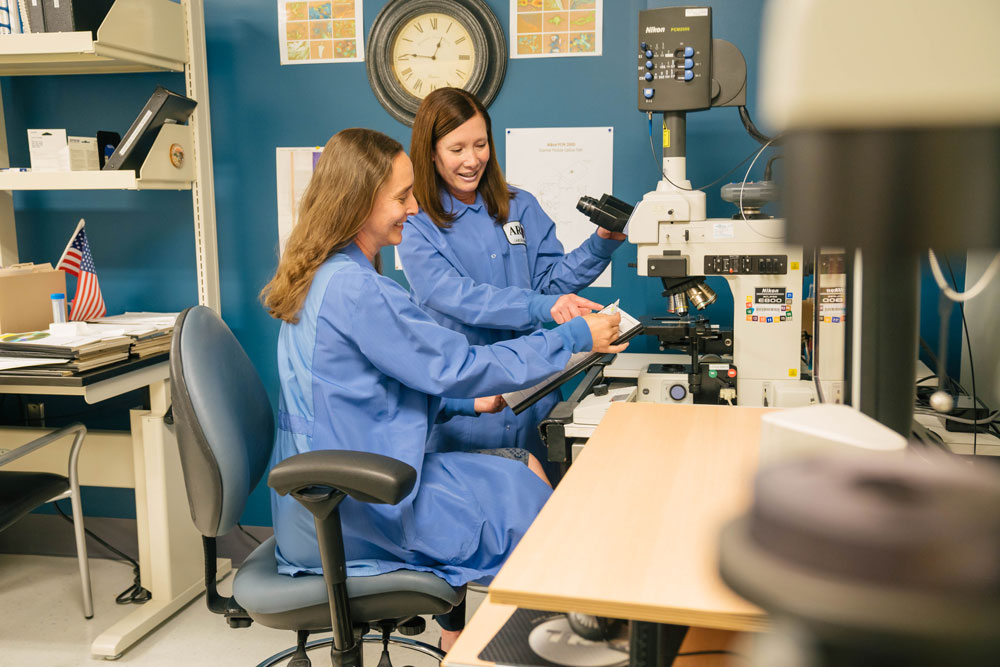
x=363 y=368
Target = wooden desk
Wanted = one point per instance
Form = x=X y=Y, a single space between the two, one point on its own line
x=170 y=549
x=631 y=532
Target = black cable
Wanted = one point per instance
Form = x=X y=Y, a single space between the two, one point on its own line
x=972 y=365
x=134 y=594
x=248 y=533
x=659 y=167
x=752 y=129
x=767 y=167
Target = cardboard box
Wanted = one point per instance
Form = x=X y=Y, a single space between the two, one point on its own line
x=25 y=303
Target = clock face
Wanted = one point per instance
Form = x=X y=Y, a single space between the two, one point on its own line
x=417 y=46
x=432 y=51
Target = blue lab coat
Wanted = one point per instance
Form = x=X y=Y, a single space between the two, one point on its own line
x=362 y=370
x=494 y=283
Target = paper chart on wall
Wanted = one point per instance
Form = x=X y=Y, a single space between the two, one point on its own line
x=294 y=170
x=556 y=28
x=320 y=31
x=559 y=165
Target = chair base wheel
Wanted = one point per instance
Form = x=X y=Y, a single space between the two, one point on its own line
x=403 y=642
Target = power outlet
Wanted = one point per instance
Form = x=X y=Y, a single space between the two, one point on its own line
x=34 y=414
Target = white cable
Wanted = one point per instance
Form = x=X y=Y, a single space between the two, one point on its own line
x=980 y=285
x=744 y=184
x=989 y=419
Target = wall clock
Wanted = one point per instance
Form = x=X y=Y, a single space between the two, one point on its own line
x=416 y=46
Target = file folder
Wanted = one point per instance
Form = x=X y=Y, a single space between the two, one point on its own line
x=73 y=15
x=36 y=21
x=164 y=106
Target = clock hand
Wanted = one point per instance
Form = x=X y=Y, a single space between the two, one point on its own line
x=436 y=48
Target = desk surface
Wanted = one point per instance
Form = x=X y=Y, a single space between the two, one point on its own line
x=631 y=532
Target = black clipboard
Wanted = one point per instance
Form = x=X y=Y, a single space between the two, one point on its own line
x=553 y=382
x=164 y=106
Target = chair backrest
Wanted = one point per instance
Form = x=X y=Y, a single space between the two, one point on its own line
x=222 y=416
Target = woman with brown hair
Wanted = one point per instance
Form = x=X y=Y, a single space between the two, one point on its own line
x=482 y=257
x=362 y=368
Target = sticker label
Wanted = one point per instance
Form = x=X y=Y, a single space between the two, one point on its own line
x=696 y=11
x=769 y=295
x=723 y=230
x=831 y=304
x=770 y=305
x=515 y=232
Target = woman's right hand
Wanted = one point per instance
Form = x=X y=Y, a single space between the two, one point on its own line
x=569 y=306
x=604 y=332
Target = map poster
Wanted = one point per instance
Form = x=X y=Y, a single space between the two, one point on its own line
x=320 y=31
x=559 y=165
x=556 y=28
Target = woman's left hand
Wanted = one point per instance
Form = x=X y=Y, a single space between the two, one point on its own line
x=489 y=404
x=614 y=236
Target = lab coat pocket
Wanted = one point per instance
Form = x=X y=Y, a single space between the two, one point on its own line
x=518 y=269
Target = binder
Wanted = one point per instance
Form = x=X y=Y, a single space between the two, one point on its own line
x=36 y=22
x=164 y=106
x=73 y=15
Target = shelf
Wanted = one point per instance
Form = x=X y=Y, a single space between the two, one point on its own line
x=136 y=36
x=84 y=180
x=158 y=171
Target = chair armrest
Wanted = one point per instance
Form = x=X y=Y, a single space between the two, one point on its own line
x=79 y=429
x=369 y=478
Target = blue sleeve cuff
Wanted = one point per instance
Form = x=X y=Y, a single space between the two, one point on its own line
x=540 y=307
x=576 y=335
x=453 y=407
x=603 y=247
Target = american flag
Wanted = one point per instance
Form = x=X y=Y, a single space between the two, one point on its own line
x=76 y=261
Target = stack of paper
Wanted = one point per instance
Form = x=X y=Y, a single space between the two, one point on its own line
x=43 y=353
x=151 y=333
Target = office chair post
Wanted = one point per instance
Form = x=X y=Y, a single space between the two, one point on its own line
x=325 y=508
x=77 y=510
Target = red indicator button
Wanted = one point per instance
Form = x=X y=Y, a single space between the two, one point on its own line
x=732 y=372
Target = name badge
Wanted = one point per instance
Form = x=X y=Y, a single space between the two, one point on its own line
x=515 y=232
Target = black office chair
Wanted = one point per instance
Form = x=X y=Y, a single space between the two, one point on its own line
x=22 y=491
x=225 y=432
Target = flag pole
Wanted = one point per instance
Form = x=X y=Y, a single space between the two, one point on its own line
x=72 y=237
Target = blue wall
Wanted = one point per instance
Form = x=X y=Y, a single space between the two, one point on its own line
x=142 y=242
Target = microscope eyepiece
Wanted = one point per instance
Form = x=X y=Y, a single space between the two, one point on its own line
x=607 y=212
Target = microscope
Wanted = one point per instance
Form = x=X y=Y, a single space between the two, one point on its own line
x=682 y=68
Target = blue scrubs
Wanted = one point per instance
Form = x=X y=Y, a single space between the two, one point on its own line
x=493 y=283
x=362 y=370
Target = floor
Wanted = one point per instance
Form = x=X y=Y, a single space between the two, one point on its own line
x=42 y=623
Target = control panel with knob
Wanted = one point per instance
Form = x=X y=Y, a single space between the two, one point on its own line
x=675 y=59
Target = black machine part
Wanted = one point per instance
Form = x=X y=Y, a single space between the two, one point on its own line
x=892 y=557
x=608 y=212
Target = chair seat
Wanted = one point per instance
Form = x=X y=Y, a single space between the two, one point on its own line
x=284 y=602
x=21 y=492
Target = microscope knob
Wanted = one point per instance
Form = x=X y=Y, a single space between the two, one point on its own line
x=678 y=392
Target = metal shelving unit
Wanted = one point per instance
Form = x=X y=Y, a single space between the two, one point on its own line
x=136 y=36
